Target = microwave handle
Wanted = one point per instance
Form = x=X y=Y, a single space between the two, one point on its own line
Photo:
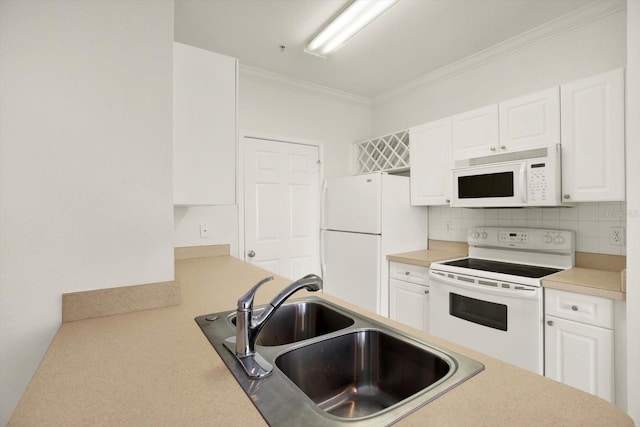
x=523 y=184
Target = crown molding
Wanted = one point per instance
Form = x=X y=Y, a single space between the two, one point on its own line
x=282 y=81
x=553 y=28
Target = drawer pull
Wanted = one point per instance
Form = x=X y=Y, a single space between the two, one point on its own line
x=550 y=322
x=574 y=307
x=426 y=292
x=406 y=273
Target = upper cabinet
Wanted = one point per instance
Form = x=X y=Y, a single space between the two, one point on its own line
x=593 y=138
x=430 y=147
x=586 y=117
x=475 y=133
x=204 y=127
x=530 y=121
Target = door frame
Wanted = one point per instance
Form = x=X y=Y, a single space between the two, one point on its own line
x=243 y=135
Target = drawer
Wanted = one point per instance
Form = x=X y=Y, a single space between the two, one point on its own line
x=409 y=273
x=582 y=308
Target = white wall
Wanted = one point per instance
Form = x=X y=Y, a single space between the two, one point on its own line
x=85 y=163
x=222 y=222
x=633 y=209
x=590 y=49
x=271 y=106
x=286 y=111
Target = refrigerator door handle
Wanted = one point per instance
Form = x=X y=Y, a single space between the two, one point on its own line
x=323 y=201
x=323 y=267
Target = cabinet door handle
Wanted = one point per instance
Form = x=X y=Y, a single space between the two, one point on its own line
x=550 y=322
x=574 y=307
x=426 y=292
x=406 y=273
x=567 y=196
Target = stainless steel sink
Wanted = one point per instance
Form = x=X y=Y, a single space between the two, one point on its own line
x=363 y=372
x=300 y=321
x=345 y=369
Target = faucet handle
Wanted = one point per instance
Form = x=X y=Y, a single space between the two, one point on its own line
x=245 y=302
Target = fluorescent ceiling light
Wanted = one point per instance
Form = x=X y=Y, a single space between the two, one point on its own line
x=354 y=18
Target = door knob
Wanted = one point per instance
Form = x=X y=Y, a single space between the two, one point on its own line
x=251 y=254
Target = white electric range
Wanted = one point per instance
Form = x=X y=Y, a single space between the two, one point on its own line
x=492 y=300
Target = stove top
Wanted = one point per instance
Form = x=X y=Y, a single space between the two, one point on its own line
x=520 y=270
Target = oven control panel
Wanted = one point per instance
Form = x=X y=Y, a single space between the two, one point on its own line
x=522 y=238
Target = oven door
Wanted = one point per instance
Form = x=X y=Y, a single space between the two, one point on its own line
x=500 y=319
x=500 y=184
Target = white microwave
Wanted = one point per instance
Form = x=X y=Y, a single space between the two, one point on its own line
x=516 y=179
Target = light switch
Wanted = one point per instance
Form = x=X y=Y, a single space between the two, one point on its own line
x=204 y=231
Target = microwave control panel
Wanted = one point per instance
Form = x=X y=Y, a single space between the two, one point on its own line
x=538 y=189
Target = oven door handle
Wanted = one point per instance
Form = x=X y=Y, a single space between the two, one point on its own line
x=526 y=293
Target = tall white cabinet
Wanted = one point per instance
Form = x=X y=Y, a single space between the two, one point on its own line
x=204 y=127
x=430 y=147
x=593 y=138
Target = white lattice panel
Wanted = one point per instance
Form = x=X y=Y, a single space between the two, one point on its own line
x=388 y=153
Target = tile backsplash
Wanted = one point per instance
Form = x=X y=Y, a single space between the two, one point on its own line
x=592 y=223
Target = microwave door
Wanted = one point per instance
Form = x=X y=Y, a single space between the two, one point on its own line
x=495 y=185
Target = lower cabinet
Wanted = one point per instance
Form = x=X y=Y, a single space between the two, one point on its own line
x=409 y=295
x=579 y=342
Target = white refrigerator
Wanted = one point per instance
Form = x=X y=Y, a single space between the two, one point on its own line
x=365 y=218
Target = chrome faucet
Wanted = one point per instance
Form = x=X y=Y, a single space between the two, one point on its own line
x=249 y=326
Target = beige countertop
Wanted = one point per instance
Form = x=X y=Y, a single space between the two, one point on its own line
x=601 y=283
x=155 y=367
x=423 y=258
x=580 y=279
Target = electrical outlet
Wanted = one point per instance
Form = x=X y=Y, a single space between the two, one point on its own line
x=204 y=231
x=447 y=227
x=616 y=236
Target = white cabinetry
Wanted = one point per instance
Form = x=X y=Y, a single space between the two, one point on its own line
x=430 y=146
x=530 y=121
x=204 y=127
x=475 y=133
x=409 y=295
x=593 y=138
x=579 y=344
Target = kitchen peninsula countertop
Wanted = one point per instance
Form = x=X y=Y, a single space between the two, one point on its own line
x=155 y=367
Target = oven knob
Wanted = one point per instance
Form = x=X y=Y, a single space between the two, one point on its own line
x=475 y=234
x=484 y=235
x=559 y=240
x=547 y=239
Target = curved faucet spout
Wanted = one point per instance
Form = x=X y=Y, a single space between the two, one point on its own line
x=248 y=326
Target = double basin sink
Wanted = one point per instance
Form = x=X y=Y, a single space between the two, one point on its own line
x=334 y=366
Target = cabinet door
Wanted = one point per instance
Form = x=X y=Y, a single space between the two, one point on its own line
x=475 y=133
x=430 y=148
x=204 y=127
x=593 y=167
x=409 y=304
x=530 y=121
x=580 y=355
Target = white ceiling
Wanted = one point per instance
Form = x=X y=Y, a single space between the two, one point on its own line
x=412 y=39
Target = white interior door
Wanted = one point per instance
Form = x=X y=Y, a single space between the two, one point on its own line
x=282 y=206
